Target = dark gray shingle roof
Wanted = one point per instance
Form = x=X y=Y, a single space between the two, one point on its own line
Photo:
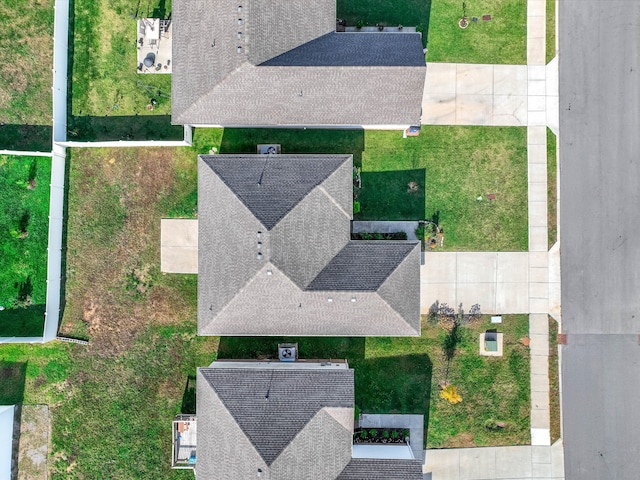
x=299 y=276
x=381 y=469
x=272 y=185
x=355 y=50
x=362 y=266
x=217 y=81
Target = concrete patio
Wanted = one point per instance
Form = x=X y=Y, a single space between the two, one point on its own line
x=178 y=245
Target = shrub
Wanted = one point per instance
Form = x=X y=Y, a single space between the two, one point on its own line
x=373 y=432
x=450 y=394
x=356 y=207
x=360 y=24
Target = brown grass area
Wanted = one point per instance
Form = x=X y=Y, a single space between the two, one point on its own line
x=554 y=381
x=115 y=288
x=26 y=56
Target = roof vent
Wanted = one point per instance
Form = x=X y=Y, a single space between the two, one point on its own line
x=353 y=299
x=240 y=21
x=239 y=49
x=329 y=299
x=288 y=352
x=239 y=35
x=259 y=256
x=259 y=244
x=269 y=272
x=239 y=8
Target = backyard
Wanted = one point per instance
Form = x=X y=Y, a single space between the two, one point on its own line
x=24 y=215
x=402 y=375
x=472 y=181
x=26 y=56
x=108 y=98
x=502 y=39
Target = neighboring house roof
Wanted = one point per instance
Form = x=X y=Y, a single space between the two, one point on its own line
x=282 y=63
x=370 y=468
x=275 y=254
x=283 y=421
x=293 y=423
x=6 y=441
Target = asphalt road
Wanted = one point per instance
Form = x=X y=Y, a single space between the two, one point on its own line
x=599 y=61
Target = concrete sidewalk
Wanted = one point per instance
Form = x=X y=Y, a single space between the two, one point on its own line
x=492 y=463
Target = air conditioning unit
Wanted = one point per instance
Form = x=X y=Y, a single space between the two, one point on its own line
x=288 y=352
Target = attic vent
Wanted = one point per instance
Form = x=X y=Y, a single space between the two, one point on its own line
x=329 y=299
x=269 y=272
x=239 y=35
x=240 y=21
x=259 y=256
x=239 y=8
x=239 y=49
x=259 y=245
x=259 y=234
x=353 y=299
x=288 y=352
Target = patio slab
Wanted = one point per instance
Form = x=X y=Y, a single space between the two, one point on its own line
x=178 y=245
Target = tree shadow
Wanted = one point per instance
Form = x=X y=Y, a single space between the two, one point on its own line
x=33 y=138
x=189 y=396
x=161 y=10
x=393 y=195
x=131 y=127
x=308 y=141
x=12 y=380
x=23 y=223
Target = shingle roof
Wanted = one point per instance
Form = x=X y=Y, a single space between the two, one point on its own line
x=282 y=63
x=301 y=275
x=279 y=420
x=355 y=50
x=362 y=266
x=271 y=186
x=379 y=469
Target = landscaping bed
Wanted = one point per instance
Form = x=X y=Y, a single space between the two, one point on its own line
x=380 y=435
x=26 y=56
x=24 y=215
x=379 y=236
x=470 y=181
x=502 y=39
x=109 y=99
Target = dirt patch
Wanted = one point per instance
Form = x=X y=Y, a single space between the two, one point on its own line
x=32 y=435
x=115 y=287
x=461 y=440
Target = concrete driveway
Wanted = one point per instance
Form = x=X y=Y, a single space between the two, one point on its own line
x=468 y=94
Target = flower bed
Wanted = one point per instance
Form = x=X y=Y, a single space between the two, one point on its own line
x=380 y=435
x=379 y=236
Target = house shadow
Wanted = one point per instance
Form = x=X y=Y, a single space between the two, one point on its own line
x=393 y=195
x=25 y=321
x=399 y=384
x=114 y=128
x=309 y=348
x=292 y=140
x=189 y=396
x=32 y=138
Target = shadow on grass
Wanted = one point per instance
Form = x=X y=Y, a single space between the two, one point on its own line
x=132 y=127
x=393 y=195
x=189 y=396
x=12 y=380
x=309 y=141
x=266 y=348
x=33 y=138
x=22 y=322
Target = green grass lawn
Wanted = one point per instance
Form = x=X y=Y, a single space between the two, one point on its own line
x=108 y=98
x=24 y=217
x=552 y=188
x=412 y=13
x=26 y=56
x=452 y=167
x=401 y=375
x=502 y=40
x=551 y=30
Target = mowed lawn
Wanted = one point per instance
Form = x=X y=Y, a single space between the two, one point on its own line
x=402 y=375
x=108 y=97
x=24 y=228
x=26 y=59
x=455 y=170
x=501 y=40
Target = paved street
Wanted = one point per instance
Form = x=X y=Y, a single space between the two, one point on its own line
x=600 y=184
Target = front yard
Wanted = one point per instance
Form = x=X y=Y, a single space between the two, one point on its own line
x=24 y=216
x=502 y=39
x=401 y=375
x=447 y=174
